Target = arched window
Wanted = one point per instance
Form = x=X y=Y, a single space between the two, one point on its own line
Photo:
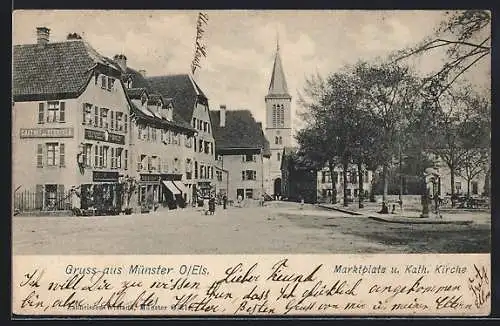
x=276 y=140
x=280 y=140
x=281 y=116
x=275 y=115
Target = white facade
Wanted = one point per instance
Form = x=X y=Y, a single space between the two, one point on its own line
x=245 y=175
x=325 y=188
x=204 y=150
x=64 y=143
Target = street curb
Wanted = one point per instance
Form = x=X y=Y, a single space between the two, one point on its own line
x=420 y=221
x=341 y=210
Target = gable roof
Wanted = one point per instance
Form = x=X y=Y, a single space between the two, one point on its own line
x=182 y=89
x=136 y=93
x=176 y=124
x=139 y=81
x=240 y=132
x=56 y=70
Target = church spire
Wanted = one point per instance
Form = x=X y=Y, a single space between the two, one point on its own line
x=278 y=85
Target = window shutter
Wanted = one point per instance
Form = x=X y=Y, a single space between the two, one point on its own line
x=96 y=156
x=41 y=112
x=62 y=155
x=39 y=197
x=96 y=116
x=112 y=120
x=101 y=156
x=84 y=113
x=125 y=121
x=62 y=111
x=39 y=155
x=242 y=175
x=60 y=197
x=125 y=160
x=112 y=157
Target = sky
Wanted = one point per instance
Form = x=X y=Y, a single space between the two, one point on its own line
x=240 y=44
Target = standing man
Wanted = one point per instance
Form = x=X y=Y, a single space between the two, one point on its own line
x=224 y=201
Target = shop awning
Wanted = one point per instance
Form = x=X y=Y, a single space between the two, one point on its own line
x=170 y=186
x=180 y=186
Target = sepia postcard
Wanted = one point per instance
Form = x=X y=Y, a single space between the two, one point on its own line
x=251 y=163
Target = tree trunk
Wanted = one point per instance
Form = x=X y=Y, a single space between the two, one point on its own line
x=486 y=190
x=452 y=178
x=345 y=167
x=372 y=187
x=468 y=187
x=424 y=197
x=361 y=193
x=332 y=180
x=386 y=183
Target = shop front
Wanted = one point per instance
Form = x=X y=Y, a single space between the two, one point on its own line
x=149 y=195
x=203 y=190
x=103 y=196
x=174 y=191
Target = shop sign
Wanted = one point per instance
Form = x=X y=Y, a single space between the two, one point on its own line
x=105 y=176
x=104 y=136
x=150 y=177
x=47 y=133
x=171 y=177
x=204 y=184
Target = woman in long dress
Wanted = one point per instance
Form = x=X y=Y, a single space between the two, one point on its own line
x=205 y=205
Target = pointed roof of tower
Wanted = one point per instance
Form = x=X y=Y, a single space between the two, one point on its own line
x=278 y=86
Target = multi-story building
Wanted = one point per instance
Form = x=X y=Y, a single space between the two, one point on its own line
x=278 y=125
x=325 y=189
x=439 y=180
x=161 y=147
x=240 y=148
x=70 y=125
x=191 y=104
x=303 y=179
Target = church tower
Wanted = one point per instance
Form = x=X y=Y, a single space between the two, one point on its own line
x=278 y=123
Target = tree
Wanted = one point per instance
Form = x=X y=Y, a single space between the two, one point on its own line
x=390 y=92
x=332 y=117
x=461 y=132
x=475 y=161
x=466 y=38
x=314 y=144
x=475 y=138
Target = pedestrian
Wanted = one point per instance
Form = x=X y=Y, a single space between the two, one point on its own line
x=240 y=199
x=437 y=201
x=224 y=201
x=301 y=202
x=205 y=205
x=211 y=205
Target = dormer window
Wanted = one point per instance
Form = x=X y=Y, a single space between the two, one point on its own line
x=129 y=83
x=107 y=82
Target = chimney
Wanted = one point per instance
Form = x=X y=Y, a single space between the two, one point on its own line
x=73 y=36
x=222 y=115
x=142 y=72
x=121 y=60
x=42 y=35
